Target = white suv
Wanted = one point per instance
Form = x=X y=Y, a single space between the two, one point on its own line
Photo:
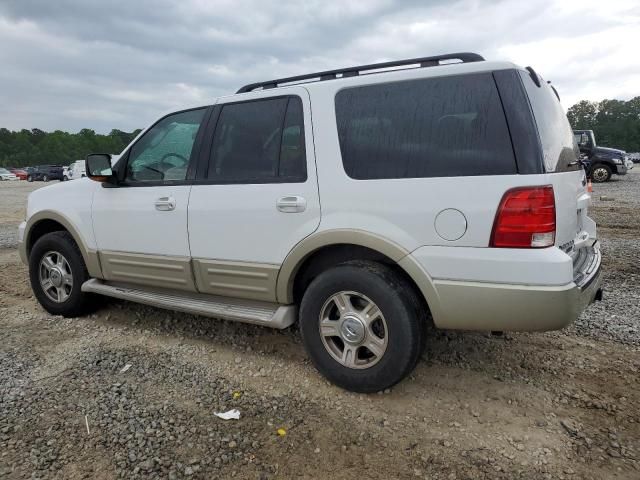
x=360 y=203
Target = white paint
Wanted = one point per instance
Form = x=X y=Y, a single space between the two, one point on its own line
x=243 y=222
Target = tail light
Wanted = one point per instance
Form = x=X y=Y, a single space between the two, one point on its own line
x=526 y=218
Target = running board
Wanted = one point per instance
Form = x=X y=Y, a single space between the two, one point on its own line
x=239 y=310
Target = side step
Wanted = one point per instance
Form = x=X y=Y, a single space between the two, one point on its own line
x=240 y=310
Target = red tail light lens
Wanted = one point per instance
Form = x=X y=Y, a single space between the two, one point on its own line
x=526 y=218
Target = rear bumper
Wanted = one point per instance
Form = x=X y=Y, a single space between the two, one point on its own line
x=478 y=305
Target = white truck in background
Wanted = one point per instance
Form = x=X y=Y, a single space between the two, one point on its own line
x=76 y=170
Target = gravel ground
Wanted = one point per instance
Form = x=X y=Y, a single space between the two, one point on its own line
x=520 y=406
x=13 y=197
x=616 y=209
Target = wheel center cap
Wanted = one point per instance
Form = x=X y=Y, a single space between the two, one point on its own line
x=56 y=277
x=352 y=330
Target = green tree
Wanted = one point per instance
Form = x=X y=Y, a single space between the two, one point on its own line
x=615 y=123
x=36 y=147
x=582 y=115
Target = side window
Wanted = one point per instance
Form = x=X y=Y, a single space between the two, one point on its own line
x=163 y=152
x=436 y=127
x=259 y=141
x=293 y=160
x=558 y=144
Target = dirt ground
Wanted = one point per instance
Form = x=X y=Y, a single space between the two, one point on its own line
x=560 y=405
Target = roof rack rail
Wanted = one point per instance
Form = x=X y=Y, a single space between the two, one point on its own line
x=464 y=57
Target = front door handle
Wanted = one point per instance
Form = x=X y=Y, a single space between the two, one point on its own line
x=165 y=204
x=291 y=204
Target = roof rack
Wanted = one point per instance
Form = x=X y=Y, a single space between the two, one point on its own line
x=355 y=71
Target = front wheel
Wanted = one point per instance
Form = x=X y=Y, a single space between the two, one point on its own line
x=600 y=173
x=29 y=178
x=57 y=272
x=45 y=178
x=362 y=326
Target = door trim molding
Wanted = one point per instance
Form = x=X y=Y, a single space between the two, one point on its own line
x=255 y=281
x=145 y=269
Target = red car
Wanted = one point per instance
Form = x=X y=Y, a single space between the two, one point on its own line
x=21 y=174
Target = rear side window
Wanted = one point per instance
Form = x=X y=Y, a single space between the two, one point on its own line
x=437 y=127
x=559 y=148
x=259 y=141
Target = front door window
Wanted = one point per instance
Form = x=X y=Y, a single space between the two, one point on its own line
x=164 y=151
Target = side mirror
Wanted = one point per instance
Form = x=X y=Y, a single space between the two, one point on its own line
x=98 y=167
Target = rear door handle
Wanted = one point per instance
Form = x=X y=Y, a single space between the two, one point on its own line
x=165 y=204
x=291 y=204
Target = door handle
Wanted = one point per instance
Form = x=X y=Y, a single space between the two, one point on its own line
x=291 y=204
x=165 y=204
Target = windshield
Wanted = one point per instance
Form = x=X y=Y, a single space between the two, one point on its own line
x=4 y=171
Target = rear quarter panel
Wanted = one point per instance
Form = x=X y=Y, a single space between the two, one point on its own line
x=404 y=210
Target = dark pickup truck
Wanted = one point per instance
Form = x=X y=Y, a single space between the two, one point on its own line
x=44 y=173
x=601 y=162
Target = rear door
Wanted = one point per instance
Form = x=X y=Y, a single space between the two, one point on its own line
x=256 y=193
x=574 y=229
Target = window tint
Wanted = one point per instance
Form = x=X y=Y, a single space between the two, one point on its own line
x=259 y=141
x=439 y=127
x=293 y=162
x=559 y=147
x=163 y=152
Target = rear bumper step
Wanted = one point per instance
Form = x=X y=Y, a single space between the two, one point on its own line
x=246 y=311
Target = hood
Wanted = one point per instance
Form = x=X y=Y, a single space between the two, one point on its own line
x=610 y=152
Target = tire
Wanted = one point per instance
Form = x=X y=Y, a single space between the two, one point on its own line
x=64 y=179
x=29 y=178
x=76 y=302
x=398 y=333
x=600 y=173
x=45 y=178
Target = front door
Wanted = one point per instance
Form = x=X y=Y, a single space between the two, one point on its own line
x=141 y=225
x=256 y=194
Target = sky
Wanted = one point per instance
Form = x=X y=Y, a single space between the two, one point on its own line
x=120 y=64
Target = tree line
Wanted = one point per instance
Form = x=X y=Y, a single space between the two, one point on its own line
x=615 y=123
x=36 y=147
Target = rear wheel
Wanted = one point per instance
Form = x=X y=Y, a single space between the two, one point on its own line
x=45 y=178
x=600 y=173
x=362 y=326
x=29 y=178
x=57 y=272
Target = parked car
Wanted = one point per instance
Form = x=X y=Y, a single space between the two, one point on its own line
x=45 y=173
x=635 y=157
x=18 y=172
x=603 y=161
x=450 y=192
x=628 y=163
x=77 y=170
x=6 y=175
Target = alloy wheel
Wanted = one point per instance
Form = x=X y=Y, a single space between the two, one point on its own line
x=353 y=330
x=55 y=276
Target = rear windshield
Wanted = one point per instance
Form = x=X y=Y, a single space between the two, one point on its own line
x=436 y=127
x=559 y=147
